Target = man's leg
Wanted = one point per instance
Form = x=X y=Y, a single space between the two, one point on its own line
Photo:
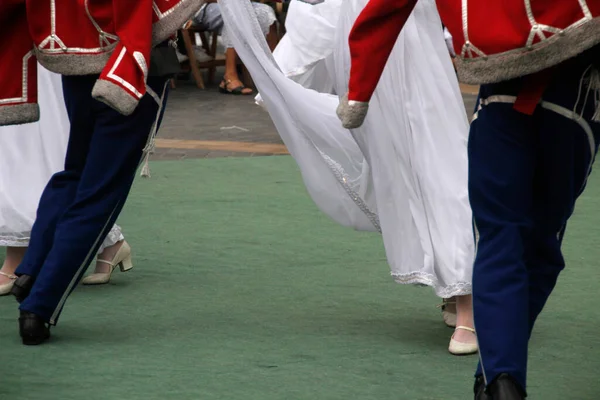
x=501 y=171
x=567 y=145
x=61 y=189
x=114 y=155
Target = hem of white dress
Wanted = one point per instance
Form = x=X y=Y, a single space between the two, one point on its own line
x=9 y=241
x=113 y=237
x=425 y=279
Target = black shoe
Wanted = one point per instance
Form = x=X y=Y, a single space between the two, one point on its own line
x=504 y=387
x=33 y=329
x=479 y=389
x=22 y=287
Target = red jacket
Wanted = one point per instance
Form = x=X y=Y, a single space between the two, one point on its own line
x=495 y=40
x=112 y=38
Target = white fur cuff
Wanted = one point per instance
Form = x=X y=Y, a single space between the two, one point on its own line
x=352 y=113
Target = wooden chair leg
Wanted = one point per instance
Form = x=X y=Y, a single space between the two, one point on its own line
x=212 y=71
x=187 y=40
x=173 y=83
x=204 y=41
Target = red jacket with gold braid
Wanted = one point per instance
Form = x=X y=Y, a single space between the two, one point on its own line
x=494 y=40
x=112 y=38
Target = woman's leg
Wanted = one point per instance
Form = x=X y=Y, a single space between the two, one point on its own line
x=232 y=82
x=109 y=249
x=449 y=312
x=231 y=79
x=464 y=318
x=115 y=251
x=14 y=256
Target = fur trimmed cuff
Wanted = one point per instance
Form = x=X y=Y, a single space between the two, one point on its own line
x=520 y=62
x=74 y=64
x=115 y=97
x=19 y=114
x=352 y=113
x=172 y=20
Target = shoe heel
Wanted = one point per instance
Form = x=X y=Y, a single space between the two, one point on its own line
x=126 y=264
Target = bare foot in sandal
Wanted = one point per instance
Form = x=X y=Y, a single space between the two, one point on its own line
x=234 y=86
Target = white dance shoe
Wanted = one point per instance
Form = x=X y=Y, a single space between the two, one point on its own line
x=6 y=287
x=122 y=259
x=462 y=349
x=449 y=312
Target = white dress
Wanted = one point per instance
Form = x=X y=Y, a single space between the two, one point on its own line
x=29 y=155
x=404 y=172
x=301 y=53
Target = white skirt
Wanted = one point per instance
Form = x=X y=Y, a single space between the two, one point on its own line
x=404 y=173
x=302 y=52
x=29 y=155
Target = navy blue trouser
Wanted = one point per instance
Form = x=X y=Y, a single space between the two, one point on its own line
x=80 y=204
x=525 y=174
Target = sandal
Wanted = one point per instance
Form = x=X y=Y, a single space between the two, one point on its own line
x=238 y=91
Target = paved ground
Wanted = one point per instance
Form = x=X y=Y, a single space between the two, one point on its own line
x=203 y=124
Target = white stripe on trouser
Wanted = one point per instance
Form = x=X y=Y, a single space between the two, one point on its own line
x=91 y=254
x=569 y=114
x=476 y=231
x=88 y=258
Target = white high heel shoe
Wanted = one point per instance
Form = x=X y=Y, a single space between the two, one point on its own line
x=449 y=312
x=460 y=348
x=122 y=259
x=6 y=288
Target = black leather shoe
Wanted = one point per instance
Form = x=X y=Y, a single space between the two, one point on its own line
x=33 y=329
x=479 y=389
x=22 y=287
x=504 y=387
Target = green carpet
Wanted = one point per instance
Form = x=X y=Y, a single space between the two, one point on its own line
x=244 y=290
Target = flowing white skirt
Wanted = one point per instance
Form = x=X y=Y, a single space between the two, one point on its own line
x=29 y=155
x=404 y=172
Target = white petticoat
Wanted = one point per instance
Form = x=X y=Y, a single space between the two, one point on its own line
x=29 y=155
